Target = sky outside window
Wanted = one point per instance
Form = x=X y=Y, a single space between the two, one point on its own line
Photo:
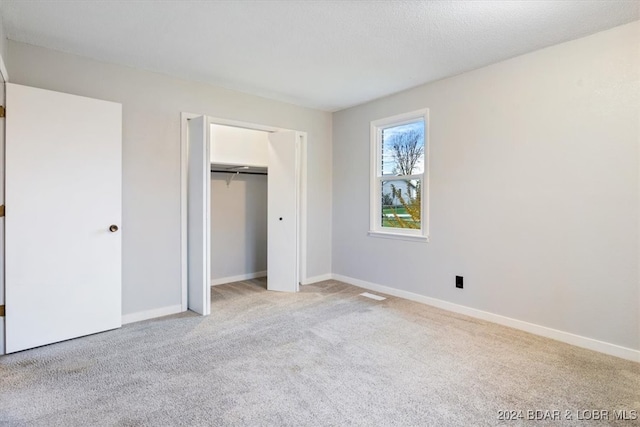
x=402 y=134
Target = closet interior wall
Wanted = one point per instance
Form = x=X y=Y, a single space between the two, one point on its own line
x=238 y=204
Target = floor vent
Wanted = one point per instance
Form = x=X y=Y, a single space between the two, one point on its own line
x=372 y=296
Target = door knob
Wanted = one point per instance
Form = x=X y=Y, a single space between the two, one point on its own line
x=113 y=228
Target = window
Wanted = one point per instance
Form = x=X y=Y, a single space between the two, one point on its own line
x=399 y=176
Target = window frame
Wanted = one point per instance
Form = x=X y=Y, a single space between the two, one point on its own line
x=376 y=178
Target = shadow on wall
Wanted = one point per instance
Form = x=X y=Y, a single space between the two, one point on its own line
x=238 y=225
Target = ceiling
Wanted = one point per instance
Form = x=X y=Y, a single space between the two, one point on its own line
x=326 y=54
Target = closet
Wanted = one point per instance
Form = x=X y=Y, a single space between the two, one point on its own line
x=229 y=245
x=239 y=190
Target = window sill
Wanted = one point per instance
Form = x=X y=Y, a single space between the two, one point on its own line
x=398 y=236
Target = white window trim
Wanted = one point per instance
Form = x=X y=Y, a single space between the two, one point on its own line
x=375 y=222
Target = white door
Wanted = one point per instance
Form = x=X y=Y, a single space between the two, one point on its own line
x=63 y=181
x=198 y=214
x=283 y=207
x=1 y=220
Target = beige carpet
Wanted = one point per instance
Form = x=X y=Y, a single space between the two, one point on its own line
x=324 y=356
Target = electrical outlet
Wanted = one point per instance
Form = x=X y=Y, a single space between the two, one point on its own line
x=459 y=282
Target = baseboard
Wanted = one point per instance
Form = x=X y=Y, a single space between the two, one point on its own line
x=316 y=279
x=231 y=279
x=150 y=314
x=566 y=337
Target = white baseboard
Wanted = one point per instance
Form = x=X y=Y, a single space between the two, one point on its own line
x=316 y=279
x=150 y=314
x=231 y=279
x=566 y=337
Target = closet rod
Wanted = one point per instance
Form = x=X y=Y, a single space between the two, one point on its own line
x=240 y=172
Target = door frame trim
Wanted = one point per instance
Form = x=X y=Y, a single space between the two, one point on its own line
x=302 y=214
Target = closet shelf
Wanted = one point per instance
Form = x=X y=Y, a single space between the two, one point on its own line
x=238 y=169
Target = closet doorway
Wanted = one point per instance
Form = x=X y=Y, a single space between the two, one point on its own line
x=239 y=188
x=234 y=174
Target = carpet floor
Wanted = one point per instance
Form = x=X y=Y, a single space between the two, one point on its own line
x=325 y=356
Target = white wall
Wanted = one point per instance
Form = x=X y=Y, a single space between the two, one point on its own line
x=534 y=190
x=238 y=226
x=232 y=145
x=3 y=43
x=151 y=159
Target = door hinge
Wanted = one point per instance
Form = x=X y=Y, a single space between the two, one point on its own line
x=1 y=310
x=2 y=112
x=1 y=211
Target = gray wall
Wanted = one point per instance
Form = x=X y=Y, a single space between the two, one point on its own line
x=151 y=159
x=238 y=225
x=534 y=189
